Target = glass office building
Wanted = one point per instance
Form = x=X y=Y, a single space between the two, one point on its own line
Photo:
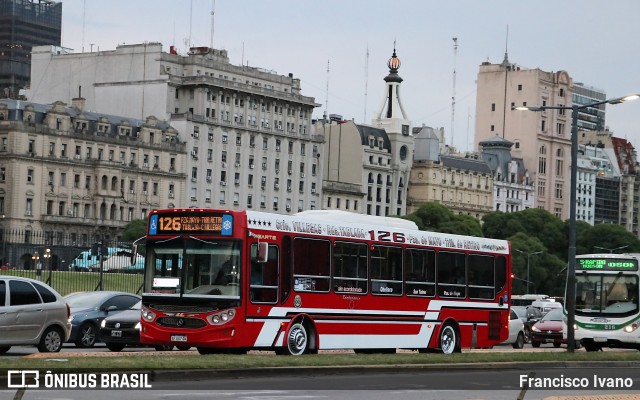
x=24 y=24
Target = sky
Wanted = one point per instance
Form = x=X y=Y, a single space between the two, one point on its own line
x=595 y=41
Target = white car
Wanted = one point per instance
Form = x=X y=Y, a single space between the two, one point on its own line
x=32 y=313
x=516 y=331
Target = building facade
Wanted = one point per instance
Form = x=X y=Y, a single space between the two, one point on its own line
x=541 y=139
x=367 y=166
x=248 y=131
x=589 y=118
x=513 y=190
x=24 y=24
x=80 y=176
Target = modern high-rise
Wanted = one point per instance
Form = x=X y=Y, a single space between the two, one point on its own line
x=248 y=131
x=23 y=25
x=541 y=139
x=589 y=118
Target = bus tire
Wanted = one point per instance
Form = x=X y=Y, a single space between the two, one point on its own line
x=449 y=340
x=297 y=340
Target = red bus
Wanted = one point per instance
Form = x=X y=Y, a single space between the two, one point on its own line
x=232 y=281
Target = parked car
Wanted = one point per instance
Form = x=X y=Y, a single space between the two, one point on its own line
x=548 y=329
x=516 y=331
x=32 y=313
x=529 y=316
x=123 y=329
x=88 y=309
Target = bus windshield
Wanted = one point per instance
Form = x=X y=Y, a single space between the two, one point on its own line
x=606 y=294
x=194 y=267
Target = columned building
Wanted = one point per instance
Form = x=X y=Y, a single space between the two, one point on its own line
x=248 y=131
x=80 y=176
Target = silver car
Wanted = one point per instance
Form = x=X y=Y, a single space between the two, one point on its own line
x=32 y=313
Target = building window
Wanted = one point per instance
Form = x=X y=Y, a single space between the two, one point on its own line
x=519 y=87
x=493 y=106
x=559 y=167
x=542 y=165
x=558 y=190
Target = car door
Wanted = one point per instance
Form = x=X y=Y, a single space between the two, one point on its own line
x=6 y=318
x=26 y=311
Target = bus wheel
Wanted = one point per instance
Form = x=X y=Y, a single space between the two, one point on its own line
x=448 y=339
x=297 y=340
x=206 y=350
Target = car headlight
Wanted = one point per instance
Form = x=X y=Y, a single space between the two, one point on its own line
x=534 y=328
x=71 y=318
x=103 y=323
x=138 y=326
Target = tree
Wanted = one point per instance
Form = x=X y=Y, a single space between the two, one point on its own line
x=462 y=225
x=500 y=225
x=134 y=230
x=608 y=236
x=433 y=215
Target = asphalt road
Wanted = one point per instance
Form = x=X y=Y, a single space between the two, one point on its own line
x=432 y=384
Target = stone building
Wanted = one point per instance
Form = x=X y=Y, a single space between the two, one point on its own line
x=81 y=176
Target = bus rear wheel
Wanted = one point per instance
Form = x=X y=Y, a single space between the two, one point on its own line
x=297 y=340
x=449 y=341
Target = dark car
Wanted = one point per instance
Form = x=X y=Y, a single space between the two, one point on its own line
x=529 y=317
x=548 y=329
x=123 y=329
x=88 y=309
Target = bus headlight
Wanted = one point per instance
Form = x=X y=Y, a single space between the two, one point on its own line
x=631 y=327
x=221 y=317
x=147 y=314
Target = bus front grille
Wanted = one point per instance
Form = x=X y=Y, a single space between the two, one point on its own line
x=180 y=322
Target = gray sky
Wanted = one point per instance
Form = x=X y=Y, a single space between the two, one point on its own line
x=595 y=41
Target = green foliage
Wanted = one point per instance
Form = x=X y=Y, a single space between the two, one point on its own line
x=134 y=230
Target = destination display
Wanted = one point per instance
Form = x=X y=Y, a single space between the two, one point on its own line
x=606 y=264
x=192 y=223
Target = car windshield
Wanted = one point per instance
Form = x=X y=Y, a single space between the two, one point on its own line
x=137 y=306
x=85 y=300
x=553 y=315
x=520 y=311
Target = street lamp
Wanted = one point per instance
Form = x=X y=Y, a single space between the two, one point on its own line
x=47 y=265
x=610 y=250
x=36 y=262
x=570 y=301
x=528 y=259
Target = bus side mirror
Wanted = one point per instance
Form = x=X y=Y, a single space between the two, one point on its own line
x=263 y=252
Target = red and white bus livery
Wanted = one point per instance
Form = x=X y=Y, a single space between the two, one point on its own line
x=231 y=281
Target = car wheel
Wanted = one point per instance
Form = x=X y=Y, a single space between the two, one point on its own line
x=556 y=344
x=86 y=335
x=115 y=346
x=51 y=340
x=527 y=335
x=165 y=347
x=535 y=344
x=519 y=343
x=4 y=349
x=183 y=348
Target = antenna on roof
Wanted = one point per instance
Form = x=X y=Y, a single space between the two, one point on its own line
x=326 y=101
x=190 y=22
x=213 y=12
x=366 y=84
x=453 y=95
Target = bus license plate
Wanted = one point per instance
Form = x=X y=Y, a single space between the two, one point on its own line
x=116 y=333
x=178 y=338
x=599 y=339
